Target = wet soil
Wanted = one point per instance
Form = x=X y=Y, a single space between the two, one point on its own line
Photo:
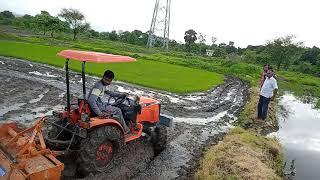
x=30 y=90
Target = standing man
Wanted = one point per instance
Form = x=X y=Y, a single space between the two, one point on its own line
x=268 y=92
x=103 y=109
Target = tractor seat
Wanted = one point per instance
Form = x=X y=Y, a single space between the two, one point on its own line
x=128 y=115
x=82 y=100
x=93 y=114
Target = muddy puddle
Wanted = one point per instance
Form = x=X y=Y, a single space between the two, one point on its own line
x=31 y=90
x=299 y=133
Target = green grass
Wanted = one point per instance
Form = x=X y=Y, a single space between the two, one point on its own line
x=144 y=72
x=301 y=84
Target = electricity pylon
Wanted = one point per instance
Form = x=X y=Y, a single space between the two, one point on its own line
x=160 y=24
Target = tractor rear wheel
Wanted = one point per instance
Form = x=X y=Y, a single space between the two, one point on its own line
x=159 y=139
x=98 y=150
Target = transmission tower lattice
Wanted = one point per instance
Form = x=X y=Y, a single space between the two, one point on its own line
x=160 y=24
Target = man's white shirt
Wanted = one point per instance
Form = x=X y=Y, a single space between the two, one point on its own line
x=268 y=86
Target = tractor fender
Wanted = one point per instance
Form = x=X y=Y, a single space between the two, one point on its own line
x=97 y=122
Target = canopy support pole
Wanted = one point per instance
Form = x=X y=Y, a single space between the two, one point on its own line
x=84 y=79
x=68 y=88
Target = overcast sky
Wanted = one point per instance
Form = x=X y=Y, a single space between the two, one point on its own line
x=242 y=21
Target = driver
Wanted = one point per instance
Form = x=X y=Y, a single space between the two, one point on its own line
x=103 y=109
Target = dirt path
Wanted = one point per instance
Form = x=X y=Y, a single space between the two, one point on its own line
x=29 y=90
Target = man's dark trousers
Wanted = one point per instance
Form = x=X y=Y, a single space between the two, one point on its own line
x=263 y=106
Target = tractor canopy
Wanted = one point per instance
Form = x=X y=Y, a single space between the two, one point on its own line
x=97 y=57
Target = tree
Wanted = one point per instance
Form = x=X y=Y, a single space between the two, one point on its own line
x=230 y=48
x=93 y=33
x=104 y=35
x=137 y=33
x=7 y=14
x=144 y=38
x=75 y=19
x=27 y=16
x=136 y=37
x=44 y=21
x=318 y=61
x=56 y=25
x=173 y=43
x=213 y=40
x=282 y=51
x=250 y=56
x=124 y=36
x=202 y=38
x=28 y=21
x=311 y=55
x=222 y=45
x=133 y=38
x=190 y=37
x=202 y=45
x=220 y=52
x=113 y=36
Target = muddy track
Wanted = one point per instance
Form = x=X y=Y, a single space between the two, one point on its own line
x=29 y=90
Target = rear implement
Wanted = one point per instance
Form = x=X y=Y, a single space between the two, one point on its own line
x=23 y=154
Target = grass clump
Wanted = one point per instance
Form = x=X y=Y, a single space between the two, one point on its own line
x=246 y=154
x=242 y=155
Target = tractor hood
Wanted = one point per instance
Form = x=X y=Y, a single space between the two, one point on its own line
x=148 y=101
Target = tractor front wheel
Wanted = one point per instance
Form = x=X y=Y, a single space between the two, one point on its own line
x=98 y=150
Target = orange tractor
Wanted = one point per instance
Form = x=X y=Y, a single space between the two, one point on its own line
x=29 y=154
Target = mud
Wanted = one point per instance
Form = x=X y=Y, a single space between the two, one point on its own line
x=30 y=90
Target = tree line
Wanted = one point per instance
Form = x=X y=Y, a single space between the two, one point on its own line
x=283 y=53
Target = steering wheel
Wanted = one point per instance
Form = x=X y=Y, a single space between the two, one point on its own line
x=118 y=100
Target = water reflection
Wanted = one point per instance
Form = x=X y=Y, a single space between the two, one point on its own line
x=300 y=135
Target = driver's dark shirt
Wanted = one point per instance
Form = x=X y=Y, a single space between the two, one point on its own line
x=95 y=97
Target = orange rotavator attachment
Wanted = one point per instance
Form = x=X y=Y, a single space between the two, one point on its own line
x=23 y=154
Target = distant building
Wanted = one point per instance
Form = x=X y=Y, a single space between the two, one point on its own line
x=210 y=52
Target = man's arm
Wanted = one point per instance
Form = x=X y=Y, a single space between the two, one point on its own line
x=93 y=101
x=275 y=90
x=115 y=94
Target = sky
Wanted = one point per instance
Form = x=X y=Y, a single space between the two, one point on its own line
x=245 y=22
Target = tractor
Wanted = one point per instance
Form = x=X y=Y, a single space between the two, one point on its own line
x=92 y=140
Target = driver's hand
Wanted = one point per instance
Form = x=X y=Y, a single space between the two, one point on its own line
x=104 y=115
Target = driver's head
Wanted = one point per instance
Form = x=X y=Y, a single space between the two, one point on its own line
x=107 y=78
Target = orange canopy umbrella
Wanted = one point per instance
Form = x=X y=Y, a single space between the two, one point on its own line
x=98 y=57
